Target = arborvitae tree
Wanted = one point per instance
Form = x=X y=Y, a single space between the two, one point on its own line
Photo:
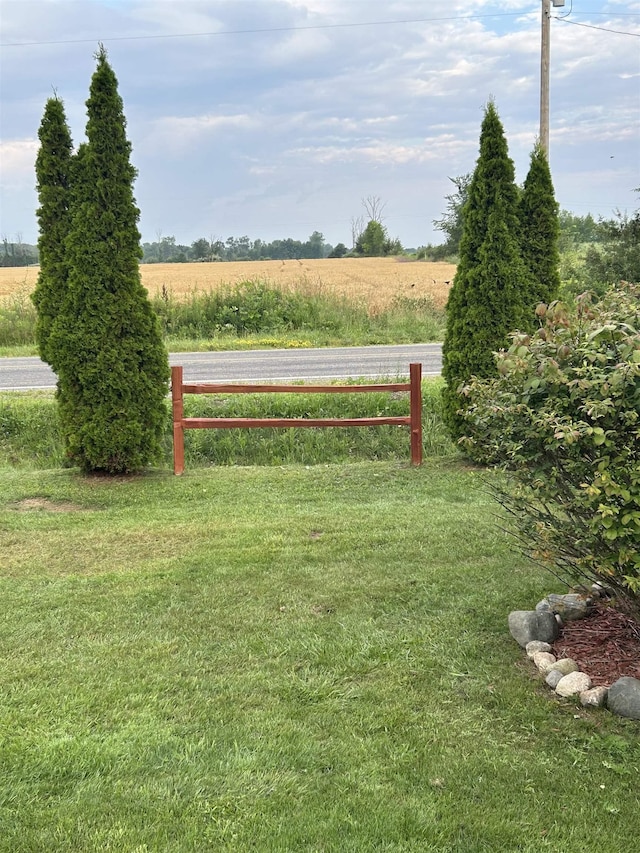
x=112 y=365
x=492 y=283
x=53 y=169
x=540 y=229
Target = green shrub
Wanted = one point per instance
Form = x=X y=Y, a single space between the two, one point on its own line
x=563 y=418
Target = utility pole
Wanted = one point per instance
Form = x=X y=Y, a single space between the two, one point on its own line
x=545 y=51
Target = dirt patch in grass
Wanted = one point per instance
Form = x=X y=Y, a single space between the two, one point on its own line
x=46 y=505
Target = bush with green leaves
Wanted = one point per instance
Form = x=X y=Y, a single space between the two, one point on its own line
x=563 y=419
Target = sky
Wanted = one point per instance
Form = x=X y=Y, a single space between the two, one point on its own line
x=275 y=118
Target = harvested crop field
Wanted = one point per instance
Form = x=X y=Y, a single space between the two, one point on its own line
x=376 y=281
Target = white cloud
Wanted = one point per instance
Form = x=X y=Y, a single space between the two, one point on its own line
x=18 y=157
x=275 y=125
x=183 y=132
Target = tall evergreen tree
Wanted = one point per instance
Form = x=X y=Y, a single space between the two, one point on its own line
x=492 y=284
x=112 y=365
x=540 y=229
x=53 y=174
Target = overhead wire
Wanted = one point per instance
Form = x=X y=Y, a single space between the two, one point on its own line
x=255 y=31
x=352 y=25
x=594 y=27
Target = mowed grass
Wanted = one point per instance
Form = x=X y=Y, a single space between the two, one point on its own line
x=373 y=281
x=285 y=659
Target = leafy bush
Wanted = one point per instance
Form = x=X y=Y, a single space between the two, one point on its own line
x=563 y=418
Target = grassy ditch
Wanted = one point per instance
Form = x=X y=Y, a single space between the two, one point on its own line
x=257 y=315
x=285 y=659
x=30 y=435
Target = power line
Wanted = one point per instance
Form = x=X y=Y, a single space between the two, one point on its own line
x=266 y=30
x=593 y=27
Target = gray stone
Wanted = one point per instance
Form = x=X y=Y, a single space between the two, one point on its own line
x=536 y=646
x=573 y=684
x=600 y=590
x=623 y=698
x=543 y=606
x=594 y=698
x=544 y=661
x=564 y=666
x=573 y=605
x=527 y=625
x=553 y=677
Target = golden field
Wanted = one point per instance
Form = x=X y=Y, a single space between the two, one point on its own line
x=376 y=281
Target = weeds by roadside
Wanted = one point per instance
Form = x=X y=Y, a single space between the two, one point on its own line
x=30 y=437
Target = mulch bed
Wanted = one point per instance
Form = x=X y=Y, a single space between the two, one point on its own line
x=605 y=645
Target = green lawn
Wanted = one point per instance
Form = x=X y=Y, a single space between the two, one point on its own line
x=285 y=659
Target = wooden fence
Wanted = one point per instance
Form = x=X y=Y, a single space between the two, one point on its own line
x=180 y=423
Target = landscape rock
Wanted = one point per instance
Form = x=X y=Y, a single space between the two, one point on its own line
x=573 y=684
x=544 y=661
x=564 y=666
x=553 y=677
x=595 y=697
x=573 y=605
x=528 y=625
x=623 y=697
x=535 y=630
x=536 y=646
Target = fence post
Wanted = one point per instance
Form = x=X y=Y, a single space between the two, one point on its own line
x=177 y=405
x=415 y=397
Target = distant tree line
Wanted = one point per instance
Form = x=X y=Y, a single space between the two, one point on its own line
x=166 y=250
x=17 y=254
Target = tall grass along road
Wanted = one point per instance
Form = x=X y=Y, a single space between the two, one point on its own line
x=22 y=374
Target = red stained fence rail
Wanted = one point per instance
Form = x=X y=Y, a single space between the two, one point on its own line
x=180 y=423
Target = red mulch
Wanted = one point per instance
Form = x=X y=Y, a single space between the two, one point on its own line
x=605 y=645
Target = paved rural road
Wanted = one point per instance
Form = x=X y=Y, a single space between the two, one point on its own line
x=23 y=374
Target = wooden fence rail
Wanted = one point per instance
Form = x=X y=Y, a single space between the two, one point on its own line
x=180 y=423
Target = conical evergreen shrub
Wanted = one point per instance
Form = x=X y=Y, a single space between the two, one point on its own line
x=540 y=229
x=492 y=285
x=112 y=365
x=53 y=174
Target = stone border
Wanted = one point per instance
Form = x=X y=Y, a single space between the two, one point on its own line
x=535 y=630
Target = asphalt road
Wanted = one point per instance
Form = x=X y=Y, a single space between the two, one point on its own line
x=24 y=374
